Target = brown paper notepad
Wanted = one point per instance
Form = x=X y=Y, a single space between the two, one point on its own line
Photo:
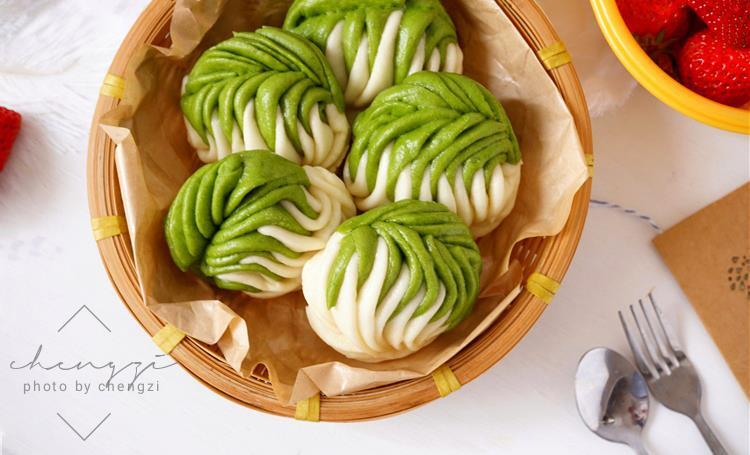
x=709 y=254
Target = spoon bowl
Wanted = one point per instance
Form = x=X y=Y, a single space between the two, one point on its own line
x=612 y=397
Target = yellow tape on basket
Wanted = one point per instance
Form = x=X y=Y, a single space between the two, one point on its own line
x=590 y=164
x=554 y=55
x=445 y=380
x=105 y=227
x=168 y=338
x=308 y=409
x=542 y=286
x=113 y=86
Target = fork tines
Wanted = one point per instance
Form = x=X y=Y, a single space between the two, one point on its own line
x=660 y=355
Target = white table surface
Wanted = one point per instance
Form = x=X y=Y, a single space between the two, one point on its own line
x=53 y=54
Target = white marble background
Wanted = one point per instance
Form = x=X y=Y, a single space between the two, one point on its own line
x=53 y=55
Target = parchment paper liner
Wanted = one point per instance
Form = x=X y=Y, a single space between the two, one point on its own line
x=153 y=159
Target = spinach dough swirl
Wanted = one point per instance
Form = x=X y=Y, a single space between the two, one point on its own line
x=440 y=137
x=250 y=221
x=372 y=44
x=391 y=280
x=270 y=90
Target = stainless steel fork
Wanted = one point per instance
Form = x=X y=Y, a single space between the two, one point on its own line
x=669 y=374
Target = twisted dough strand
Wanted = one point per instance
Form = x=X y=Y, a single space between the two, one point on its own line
x=439 y=137
x=251 y=221
x=270 y=89
x=372 y=44
x=393 y=279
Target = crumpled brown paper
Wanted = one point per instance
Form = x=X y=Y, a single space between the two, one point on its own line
x=153 y=159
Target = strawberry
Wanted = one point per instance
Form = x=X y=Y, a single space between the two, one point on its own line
x=10 y=124
x=714 y=69
x=655 y=24
x=729 y=19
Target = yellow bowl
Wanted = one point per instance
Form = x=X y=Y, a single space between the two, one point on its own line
x=659 y=83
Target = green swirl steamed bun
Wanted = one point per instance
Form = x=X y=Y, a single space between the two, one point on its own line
x=250 y=221
x=440 y=137
x=267 y=90
x=391 y=280
x=372 y=44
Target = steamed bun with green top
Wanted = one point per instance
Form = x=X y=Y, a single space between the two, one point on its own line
x=389 y=281
x=436 y=137
x=250 y=221
x=372 y=44
x=268 y=90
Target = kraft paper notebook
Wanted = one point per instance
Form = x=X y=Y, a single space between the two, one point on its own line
x=709 y=254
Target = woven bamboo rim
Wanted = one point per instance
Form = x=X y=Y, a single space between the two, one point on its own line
x=550 y=256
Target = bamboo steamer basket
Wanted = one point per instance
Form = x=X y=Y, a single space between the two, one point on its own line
x=549 y=256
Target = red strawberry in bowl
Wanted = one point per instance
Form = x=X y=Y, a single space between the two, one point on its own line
x=713 y=68
x=655 y=24
x=728 y=19
x=10 y=124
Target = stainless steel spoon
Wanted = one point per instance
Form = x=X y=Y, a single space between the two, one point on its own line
x=612 y=397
